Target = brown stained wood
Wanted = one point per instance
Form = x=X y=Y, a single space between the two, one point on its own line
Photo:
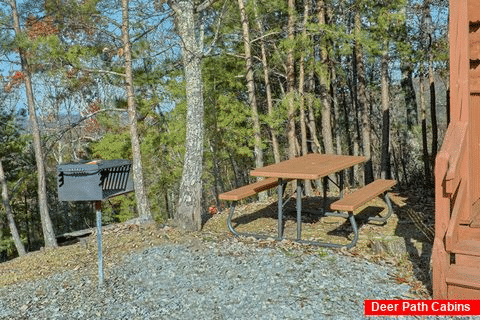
x=467 y=260
x=466 y=232
x=474 y=46
x=454 y=146
x=457 y=171
x=474 y=74
x=249 y=190
x=463 y=62
x=474 y=149
x=459 y=60
x=440 y=263
x=454 y=58
x=309 y=167
x=465 y=277
x=464 y=216
x=467 y=247
x=440 y=258
x=442 y=201
x=474 y=11
x=475 y=222
x=451 y=237
x=462 y=293
x=353 y=201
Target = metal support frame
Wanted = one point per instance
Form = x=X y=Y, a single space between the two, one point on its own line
x=340 y=186
x=346 y=215
x=98 y=208
x=389 y=213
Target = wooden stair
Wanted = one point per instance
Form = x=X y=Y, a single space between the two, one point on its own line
x=463 y=276
x=463 y=282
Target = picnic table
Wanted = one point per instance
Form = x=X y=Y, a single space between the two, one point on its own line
x=312 y=167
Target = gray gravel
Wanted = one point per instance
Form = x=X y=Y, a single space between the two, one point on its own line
x=209 y=280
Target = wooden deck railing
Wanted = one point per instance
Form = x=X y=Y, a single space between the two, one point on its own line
x=450 y=193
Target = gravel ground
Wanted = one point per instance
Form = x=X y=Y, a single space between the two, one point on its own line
x=209 y=280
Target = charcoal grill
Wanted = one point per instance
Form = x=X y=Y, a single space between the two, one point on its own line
x=94 y=181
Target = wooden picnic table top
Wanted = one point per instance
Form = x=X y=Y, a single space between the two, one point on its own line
x=308 y=167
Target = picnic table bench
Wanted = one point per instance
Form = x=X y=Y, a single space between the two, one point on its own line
x=248 y=190
x=312 y=166
x=353 y=201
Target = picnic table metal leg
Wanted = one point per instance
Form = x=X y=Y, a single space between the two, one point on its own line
x=325 y=186
x=389 y=213
x=355 y=231
x=229 y=218
x=281 y=203
x=299 y=210
x=349 y=245
x=280 y=208
x=342 y=182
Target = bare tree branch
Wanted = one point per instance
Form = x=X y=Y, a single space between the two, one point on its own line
x=174 y=6
x=204 y=5
x=218 y=29
x=71 y=126
x=103 y=71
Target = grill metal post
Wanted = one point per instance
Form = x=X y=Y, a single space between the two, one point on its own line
x=98 y=207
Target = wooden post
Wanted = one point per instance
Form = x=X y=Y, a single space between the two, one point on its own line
x=440 y=257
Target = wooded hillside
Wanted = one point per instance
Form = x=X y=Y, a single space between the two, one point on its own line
x=197 y=93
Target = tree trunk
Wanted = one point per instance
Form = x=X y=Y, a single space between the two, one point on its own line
x=291 y=81
x=143 y=205
x=251 y=93
x=346 y=120
x=312 y=126
x=9 y=213
x=428 y=32
x=385 y=157
x=189 y=209
x=334 y=107
x=336 y=112
x=268 y=89
x=301 y=82
x=433 y=109
x=362 y=101
x=357 y=115
x=301 y=94
x=324 y=85
x=423 y=120
x=410 y=97
x=47 y=227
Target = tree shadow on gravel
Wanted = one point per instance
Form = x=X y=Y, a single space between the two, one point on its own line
x=361 y=218
x=416 y=223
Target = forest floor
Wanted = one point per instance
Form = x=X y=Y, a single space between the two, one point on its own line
x=405 y=241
